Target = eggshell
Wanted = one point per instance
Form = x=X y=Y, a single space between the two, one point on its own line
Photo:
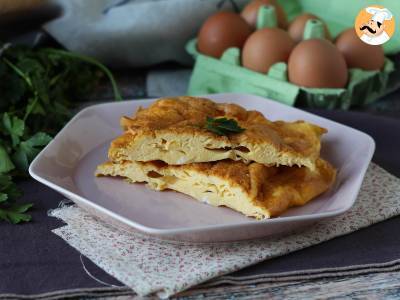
x=317 y=63
x=250 y=11
x=222 y=31
x=266 y=47
x=296 y=27
x=359 y=54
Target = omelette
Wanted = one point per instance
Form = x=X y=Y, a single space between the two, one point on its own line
x=173 y=130
x=253 y=189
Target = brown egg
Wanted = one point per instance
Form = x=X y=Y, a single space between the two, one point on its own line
x=296 y=27
x=222 y=31
x=317 y=63
x=265 y=47
x=359 y=54
x=250 y=11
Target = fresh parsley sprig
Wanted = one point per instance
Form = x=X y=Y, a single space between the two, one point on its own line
x=9 y=210
x=38 y=90
x=223 y=126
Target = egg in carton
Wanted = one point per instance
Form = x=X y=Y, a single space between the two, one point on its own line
x=295 y=82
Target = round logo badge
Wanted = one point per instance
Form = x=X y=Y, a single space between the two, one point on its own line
x=375 y=25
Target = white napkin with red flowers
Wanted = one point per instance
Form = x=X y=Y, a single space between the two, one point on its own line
x=152 y=266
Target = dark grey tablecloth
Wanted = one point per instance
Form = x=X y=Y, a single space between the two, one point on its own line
x=33 y=260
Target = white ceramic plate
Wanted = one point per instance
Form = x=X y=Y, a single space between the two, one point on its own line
x=68 y=163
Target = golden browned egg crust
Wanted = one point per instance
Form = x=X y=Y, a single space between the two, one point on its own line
x=252 y=189
x=172 y=130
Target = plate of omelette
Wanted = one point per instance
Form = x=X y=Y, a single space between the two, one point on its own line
x=220 y=167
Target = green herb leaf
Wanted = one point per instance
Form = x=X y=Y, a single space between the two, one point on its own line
x=28 y=150
x=223 y=126
x=15 y=213
x=14 y=127
x=3 y=197
x=6 y=164
x=9 y=210
x=9 y=188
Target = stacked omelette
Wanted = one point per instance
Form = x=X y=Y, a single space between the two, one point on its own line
x=261 y=171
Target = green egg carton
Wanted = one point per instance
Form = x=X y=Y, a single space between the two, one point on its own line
x=211 y=75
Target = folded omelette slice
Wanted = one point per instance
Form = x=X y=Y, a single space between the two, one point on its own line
x=254 y=189
x=173 y=130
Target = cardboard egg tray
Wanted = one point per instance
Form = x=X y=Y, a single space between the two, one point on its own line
x=211 y=75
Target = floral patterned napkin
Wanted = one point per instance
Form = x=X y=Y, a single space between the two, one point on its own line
x=152 y=266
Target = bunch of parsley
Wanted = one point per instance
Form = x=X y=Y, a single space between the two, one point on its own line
x=38 y=89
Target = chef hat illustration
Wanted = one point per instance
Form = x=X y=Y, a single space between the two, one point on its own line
x=379 y=14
